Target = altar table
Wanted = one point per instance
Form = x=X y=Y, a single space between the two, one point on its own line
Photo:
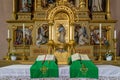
x=22 y=72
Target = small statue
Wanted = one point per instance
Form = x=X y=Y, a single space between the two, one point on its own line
x=62 y=33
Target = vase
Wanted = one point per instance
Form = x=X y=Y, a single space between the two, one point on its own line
x=13 y=58
x=109 y=58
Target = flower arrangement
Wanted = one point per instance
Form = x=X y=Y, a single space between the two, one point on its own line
x=12 y=54
x=108 y=53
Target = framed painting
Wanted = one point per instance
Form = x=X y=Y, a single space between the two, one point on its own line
x=18 y=36
x=95 y=37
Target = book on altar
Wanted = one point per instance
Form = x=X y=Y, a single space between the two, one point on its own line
x=82 y=67
x=40 y=58
x=78 y=56
x=50 y=57
x=44 y=67
x=75 y=57
x=84 y=57
x=45 y=57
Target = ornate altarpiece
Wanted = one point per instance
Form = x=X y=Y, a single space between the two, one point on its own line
x=60 y=27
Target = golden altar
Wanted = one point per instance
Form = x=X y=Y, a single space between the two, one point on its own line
x=60 y=27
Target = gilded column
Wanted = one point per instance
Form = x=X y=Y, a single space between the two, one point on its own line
x=71 y=32
x=14 y=7
x=108 y=9
x=50 y=31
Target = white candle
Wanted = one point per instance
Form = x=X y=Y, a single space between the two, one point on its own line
x=100 y=28
x=114 y=34
x=8 y=33
x=23 y=30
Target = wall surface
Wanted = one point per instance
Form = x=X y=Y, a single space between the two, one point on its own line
x=6 y=13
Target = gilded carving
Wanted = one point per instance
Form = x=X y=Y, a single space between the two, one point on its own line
x=61 y=27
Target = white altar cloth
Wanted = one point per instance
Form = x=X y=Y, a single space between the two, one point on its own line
x=22 y=72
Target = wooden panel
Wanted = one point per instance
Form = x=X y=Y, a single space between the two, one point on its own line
x=85 y=50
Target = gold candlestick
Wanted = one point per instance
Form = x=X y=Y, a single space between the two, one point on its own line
x=8 y=53
x=23 y=55
x=100 y=58
x=115 y=40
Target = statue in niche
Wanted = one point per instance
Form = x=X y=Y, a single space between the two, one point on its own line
x=97 y=5
x=26 y=5
x=43 y=34
x=62 y=33
x=81 y=36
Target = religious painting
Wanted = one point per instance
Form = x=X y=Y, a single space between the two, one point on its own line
x=18 y=36
x=25 y=5
x=42 y=35
x=95 y=37
x=81 y=34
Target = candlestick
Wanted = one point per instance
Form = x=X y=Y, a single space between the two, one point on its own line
x=8 y=53
x=8 y=33
x=115 y=56
x=100 y=55
x=24 y=57
x=23 y=30
x=100 y=28
x=115 y=34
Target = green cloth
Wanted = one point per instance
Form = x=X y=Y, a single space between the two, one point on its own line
x=83 y=69
x=44 y=70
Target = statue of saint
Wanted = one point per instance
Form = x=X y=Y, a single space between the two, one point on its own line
x=97 y=5
x=62 y=33
x=26 y=6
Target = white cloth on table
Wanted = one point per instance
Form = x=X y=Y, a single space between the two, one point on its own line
x=22 y=72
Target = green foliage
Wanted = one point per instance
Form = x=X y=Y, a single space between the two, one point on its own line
x=12 y=54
